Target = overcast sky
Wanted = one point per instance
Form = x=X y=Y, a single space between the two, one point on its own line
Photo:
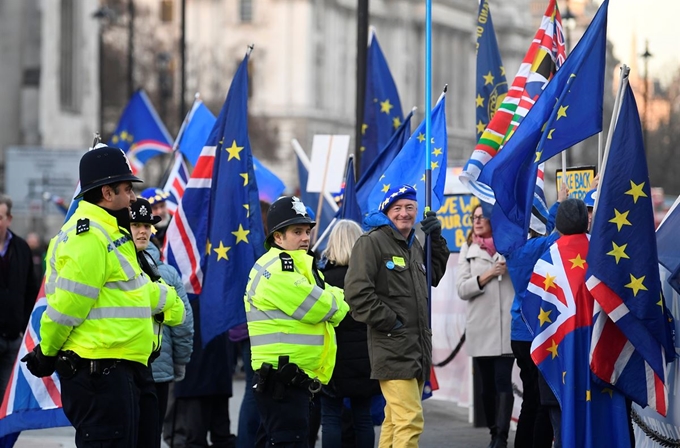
x=656 y=21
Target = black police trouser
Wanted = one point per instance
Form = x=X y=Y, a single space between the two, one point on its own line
x=284 y=422
x=114 y=408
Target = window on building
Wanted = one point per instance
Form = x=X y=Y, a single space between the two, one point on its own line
x=246 y=10
x=69 y=60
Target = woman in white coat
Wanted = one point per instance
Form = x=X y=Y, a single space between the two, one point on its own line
x=483 y=282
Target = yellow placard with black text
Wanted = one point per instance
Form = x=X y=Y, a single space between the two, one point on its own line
x=578 y=180
x=455 y=214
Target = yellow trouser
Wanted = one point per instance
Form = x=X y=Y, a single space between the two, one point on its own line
x=403 y=413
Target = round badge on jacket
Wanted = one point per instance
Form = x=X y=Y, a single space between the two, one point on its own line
x=390 y=264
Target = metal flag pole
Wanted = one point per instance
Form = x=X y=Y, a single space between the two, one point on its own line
x=625 y=70
x=428 y=145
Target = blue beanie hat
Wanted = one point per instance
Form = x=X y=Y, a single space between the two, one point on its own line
x=396 y=193
x=154 y=195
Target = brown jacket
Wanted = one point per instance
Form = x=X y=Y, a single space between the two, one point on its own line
x=386 y=281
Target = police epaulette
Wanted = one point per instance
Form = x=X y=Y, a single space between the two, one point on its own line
x=82 y=226
x=286 y=262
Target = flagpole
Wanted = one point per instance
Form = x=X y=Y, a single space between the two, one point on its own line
x=323 y=236
x=175 y=144
x=428 y=146
x=625 y=70
x=323 y=186
x=600 y=148
x=305 y=161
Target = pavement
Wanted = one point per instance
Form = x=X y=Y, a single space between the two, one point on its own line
x=446 y=425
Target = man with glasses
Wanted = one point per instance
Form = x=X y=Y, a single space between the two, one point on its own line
x=386 y=287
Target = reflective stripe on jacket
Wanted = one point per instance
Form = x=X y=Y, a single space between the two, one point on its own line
x=288 y=314
x=99 y=303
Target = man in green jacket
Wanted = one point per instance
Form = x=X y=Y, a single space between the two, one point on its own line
x=386 y=288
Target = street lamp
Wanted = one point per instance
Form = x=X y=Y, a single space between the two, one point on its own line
x=646 y=55
x=104 y=16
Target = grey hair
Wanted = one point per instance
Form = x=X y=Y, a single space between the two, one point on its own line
x=341 y=240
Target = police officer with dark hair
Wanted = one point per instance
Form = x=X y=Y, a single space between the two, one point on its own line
x=291 y=316
x=97 y=329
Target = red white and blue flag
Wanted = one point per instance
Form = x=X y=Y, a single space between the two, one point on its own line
x=176 y=183
x=140 y=132
x=558 y=309
x=30 y=402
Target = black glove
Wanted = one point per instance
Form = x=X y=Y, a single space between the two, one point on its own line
x=431 y=225
x=38 y=364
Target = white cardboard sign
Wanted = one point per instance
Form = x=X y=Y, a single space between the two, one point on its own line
x=329 y=155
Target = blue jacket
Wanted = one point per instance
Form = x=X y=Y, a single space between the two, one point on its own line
x=520 y=267
x=177 y=341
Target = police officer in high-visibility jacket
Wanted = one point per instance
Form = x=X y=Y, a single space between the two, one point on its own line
x=291 y=316
x=97 y=330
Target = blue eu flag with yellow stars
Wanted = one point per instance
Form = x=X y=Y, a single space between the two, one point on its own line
x=409 y=166
x=382 y=108
x=623 y=274
x=491 y=84
x=569 y=110
x=235 y=231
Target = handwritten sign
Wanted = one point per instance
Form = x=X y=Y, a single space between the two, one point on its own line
x=455 y=214
x=578 y=180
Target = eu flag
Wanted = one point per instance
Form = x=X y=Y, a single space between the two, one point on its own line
x=491 y=84
x=199 y=123
x=382 y=108
x=376 y=169
x=623 y=274
x=568 y=111
x=668 y=244
x=349 y=209
x=140 y=132
x=409 y=166
x=559 y=311
x=217 y=234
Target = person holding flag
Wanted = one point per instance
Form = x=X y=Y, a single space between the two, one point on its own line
x=97 y=331
x=291 y=315
x=386 y=287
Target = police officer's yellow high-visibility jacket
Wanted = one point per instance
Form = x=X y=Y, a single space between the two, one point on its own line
x=288 y=314
x=99 y=303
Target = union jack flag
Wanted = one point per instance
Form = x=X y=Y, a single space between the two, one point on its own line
x=176 y=183
x=558 y=309
x=30 y=402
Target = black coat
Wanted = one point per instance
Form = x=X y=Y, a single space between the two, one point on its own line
x=351 y=377
x=18 y=287
x=211 y=367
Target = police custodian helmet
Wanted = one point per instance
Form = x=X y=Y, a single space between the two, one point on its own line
x=284 y=212
x=104 y=165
